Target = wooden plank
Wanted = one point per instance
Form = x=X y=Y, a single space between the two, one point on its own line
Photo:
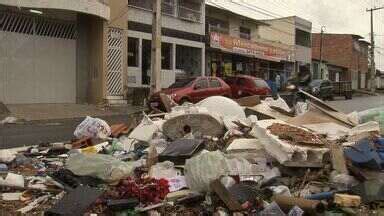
x=231 y=202
x=334 y=114
x=318 y=101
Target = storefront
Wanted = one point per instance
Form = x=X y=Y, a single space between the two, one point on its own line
x=228 y=56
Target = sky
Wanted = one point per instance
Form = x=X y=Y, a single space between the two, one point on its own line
x=338 y=16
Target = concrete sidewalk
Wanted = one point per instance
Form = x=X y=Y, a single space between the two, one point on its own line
x=49 y=112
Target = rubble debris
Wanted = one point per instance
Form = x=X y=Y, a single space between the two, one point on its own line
x=122 y=204
x=227 y=108
x=180 y=150
x=364 y=154
x=230 y=201
x=375 y=114
x=118 y=130
x=34 y=204
x=92 y=127
x=370 y=191
x=295 y=135
x=101 y=166
x=75 y=202
x=249 y=101
x=346 y=200
x=7 y=156
x=8 y=120
x=205 y=159
x=3 y=167
x=12 y=180
x=11 y=196
x=192 y=120
x=310 y=206
x=149 y=190
x=284 y=151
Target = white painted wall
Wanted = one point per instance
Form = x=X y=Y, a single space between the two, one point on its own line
x=36 y=69
x=93 y=7
x=145 y=16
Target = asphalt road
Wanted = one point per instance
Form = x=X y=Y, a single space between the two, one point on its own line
x=34 y=133
x=358 y=103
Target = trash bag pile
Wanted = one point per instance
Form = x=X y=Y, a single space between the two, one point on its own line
x=216 y=157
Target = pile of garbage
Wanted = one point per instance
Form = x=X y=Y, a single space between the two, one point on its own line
x=216 y=157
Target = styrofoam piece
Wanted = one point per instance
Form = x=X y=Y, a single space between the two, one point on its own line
x=222 y=106
x=283 y=151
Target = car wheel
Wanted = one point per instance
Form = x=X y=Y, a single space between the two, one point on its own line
x=184 y=100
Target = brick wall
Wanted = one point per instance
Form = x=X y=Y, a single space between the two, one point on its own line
x=341 y=50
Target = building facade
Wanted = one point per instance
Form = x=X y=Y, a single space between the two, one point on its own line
x=348 y=56
x=52 y=51
x=183 y=47
x=262 y=48
x=294 y=32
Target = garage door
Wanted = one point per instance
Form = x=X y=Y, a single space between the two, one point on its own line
x=37 y=60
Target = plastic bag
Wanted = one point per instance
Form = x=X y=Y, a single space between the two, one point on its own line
x=92 y=127
x=7 y=156
x=201 y=170
x=376 y=114
x=104 y=167
x=279 y=102
x=301 y=108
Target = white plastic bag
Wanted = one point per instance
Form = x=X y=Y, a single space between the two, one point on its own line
x=100 y=166
x=201 y=170
x=279 y=102
x=92 y=127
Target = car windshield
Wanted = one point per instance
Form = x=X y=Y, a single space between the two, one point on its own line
x=260 y=83
x=181 y=83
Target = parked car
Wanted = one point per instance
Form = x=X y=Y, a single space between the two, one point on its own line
x=244 y=85
x=322 y=89
x=192 y=90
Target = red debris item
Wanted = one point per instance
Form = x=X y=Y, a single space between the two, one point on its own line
x=82 y=143
x=118 y=129
x=147 y=191
x=296 y=135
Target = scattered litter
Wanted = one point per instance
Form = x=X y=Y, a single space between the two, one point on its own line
x=92 y=127
x=215 y=157
x=12 y=180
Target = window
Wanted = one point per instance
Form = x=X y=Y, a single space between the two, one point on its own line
x=145 y=4
x=166 y=56
x=168 y=7
x=133 y=52
x=245 y=33
x=214 y=83
x=303 y=38
x=217 y=25
x=190 y=10
x=201 y=84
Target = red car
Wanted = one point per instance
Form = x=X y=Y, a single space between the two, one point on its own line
x=192 y=90
x=243 y=86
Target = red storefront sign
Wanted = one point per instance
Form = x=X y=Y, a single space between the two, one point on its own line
x=250 y=48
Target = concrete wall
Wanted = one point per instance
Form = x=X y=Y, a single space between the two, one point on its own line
x=145 y=16
x=93 y=7
x=97 y=59
x=279 y=30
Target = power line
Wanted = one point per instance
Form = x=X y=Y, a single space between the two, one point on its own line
x=264 y=11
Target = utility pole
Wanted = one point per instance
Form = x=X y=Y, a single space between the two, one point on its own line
x=321 y=52
x=156 y=48
x=373 y=66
